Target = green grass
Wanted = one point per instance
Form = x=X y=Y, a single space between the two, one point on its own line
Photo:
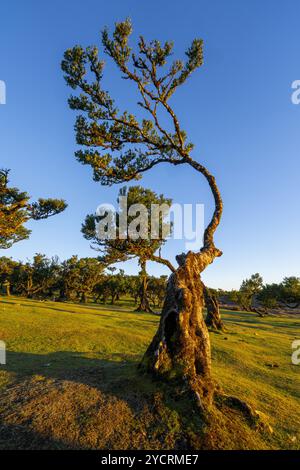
x=71 y=381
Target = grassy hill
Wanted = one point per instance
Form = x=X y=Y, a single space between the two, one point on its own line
x=71 y=381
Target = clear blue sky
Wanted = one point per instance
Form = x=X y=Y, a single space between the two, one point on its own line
x=236 y=109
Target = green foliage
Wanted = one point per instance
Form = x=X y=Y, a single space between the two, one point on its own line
x=79 y=277
x=35 y=278
x=283 y=294
x=157 y=290
x=75 y=279
x=134 y=238
x=7 y=267
x=124 y=246
x=249 y=288
x=290 y=290
x=111 y=285
x=45 y=208
x=13 y=213
x=130 y=145
x=252 y=285
x=286 y=293
x=16 y=210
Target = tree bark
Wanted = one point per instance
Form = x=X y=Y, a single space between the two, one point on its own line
x=7 y=288
x=180 y=350
x=213 y=318
x=144 y=305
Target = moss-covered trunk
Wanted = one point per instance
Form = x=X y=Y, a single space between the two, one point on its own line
x=180 y=350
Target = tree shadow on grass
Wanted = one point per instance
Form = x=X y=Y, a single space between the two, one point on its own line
x=20 y=437
x=118 y=375
x=67 y=400
x=73 y=378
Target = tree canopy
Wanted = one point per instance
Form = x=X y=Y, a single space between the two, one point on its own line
x=123 y=245
x=105 y=126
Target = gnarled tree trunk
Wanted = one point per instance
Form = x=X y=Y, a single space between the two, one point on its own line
x=213 y=318
x=180 y=350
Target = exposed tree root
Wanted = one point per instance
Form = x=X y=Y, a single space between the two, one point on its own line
x=253 y=417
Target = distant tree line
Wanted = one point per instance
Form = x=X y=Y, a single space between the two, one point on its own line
x=76 y=280
x=254 y=295
x=90 y=279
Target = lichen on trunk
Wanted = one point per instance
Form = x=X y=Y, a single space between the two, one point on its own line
x=180 y=350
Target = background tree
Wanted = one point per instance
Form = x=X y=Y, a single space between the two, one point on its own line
x=290 y=292
x=269 y=296
x=120 y=147
x=114 y=285
x=133 y=287
x=35 y=278
x=16 y=210
x=101 y=291
x=7 y=266
x=286 y=294
x=213 y=318
x=157 y=290
x=79 y=277
x=249 y=290
x=124 y=245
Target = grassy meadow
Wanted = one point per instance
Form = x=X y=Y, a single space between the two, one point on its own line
x=71 y=381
